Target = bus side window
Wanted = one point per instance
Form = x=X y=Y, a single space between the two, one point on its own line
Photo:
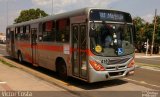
x=8 y=35
x=17 y=35
x=28 y=32
x=48 y=34
x=63 y=30
x=40 y=35
x=21 y=33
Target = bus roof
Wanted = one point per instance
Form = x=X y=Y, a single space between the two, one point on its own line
x=59 y=16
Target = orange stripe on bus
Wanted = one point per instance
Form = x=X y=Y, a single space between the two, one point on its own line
x=50 y=48
x=88 y=51
x=53 y=48
x=28 y=57
x=41 y=47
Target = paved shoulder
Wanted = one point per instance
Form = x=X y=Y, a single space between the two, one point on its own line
x=13 y=79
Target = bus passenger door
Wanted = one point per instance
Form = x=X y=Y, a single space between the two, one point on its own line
x=12 y=44
x=34 y=46
x=79 y=50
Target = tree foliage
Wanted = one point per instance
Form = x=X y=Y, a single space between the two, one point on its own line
x=26 y=15
x=144 y=31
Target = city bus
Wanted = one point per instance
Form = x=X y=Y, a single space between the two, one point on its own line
x=90 y=44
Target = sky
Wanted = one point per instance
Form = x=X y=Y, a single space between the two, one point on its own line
x=143 y=8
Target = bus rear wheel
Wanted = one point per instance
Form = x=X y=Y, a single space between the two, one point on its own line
x=62 y=70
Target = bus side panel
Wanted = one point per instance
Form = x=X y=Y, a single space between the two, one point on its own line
x=48 y=53
x=25 y=49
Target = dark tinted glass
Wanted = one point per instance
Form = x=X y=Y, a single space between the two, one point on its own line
x=108 y=15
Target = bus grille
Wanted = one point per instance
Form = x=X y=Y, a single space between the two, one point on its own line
x=116 y=68
x=116 y=73
x=118 y=61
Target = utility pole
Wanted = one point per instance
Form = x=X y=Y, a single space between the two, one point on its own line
x=7 y=12
x=153 y=36
x=52 y=8
x=147 y=46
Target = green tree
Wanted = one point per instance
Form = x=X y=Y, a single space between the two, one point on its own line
x=148 y=32
x=144 y=31
x=157 y=34
x=26 y=15
x=140 y=32
x=140 y=28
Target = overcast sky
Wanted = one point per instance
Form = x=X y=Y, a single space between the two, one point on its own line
x=142 y=8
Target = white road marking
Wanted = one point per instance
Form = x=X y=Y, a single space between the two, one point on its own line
x=153 y=59
x=150 y=68
x=3 y=82
x=147 y=56
x=141 y=82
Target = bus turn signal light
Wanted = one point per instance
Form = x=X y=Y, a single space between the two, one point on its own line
x=131 y=64
x=96 y=66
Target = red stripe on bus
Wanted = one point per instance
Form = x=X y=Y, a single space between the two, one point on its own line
x=28 y=57
x=50 y=48
x=41 y=47
x=90 y=53
x=53 y=48
x=87 y=51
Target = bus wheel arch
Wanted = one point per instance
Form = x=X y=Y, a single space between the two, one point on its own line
x=61 y=68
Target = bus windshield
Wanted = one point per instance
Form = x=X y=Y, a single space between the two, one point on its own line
x=111 y=39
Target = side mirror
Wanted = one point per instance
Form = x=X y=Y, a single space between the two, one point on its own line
x=92 y=32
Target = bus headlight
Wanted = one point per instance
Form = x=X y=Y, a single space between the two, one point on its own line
x=96 y=66
x=131 y=64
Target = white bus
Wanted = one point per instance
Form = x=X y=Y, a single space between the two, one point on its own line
x=90 y=44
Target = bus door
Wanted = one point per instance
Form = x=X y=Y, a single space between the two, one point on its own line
x=34 y=46
x=79 y=50
x=12 y=42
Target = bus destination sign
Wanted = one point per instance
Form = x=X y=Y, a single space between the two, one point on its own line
x=109 y=15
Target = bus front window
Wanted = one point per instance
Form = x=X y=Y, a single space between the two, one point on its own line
x=112 y=39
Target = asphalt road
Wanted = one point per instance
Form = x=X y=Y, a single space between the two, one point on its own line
x=142 y=80
x=153 y=61
x=146 y=77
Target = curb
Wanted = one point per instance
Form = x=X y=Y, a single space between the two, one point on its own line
x=40 y=75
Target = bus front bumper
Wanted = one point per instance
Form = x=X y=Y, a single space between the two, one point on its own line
x=96 y=76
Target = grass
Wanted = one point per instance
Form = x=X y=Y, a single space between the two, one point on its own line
x=6 y=63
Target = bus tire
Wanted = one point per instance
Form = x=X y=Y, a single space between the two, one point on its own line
x=62 y=70
x=20 y=58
